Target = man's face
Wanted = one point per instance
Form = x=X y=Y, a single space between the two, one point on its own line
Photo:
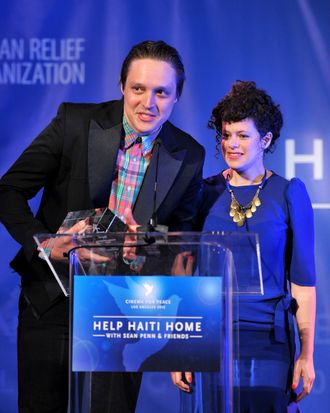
x=149 y=94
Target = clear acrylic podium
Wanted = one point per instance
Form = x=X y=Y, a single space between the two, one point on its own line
x=130 y=306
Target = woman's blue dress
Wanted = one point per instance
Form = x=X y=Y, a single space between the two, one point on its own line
x=284 y=222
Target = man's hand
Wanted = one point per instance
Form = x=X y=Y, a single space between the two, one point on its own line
x=129 y=252
x=60 y=246
x=63 y=244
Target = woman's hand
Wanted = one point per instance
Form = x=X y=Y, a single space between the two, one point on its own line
x=305 y=316
x=181 y=380
x=183 y=264
x=303 y=369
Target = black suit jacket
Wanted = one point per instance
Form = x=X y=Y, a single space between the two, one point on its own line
x=73 y=160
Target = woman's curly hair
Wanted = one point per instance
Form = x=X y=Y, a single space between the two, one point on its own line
x=243 y=101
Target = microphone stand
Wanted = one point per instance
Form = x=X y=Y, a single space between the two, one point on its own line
x=152 y=225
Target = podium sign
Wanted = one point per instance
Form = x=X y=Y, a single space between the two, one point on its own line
x=146 y=323
x=172 y=308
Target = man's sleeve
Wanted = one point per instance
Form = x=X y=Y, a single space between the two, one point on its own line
x=27 y=176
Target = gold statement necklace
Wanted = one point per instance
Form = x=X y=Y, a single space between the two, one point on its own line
x=238 y=212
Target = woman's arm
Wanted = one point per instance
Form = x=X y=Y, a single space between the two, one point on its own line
x=305 y=316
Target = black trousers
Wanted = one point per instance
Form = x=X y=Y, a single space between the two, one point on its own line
x=43 y=373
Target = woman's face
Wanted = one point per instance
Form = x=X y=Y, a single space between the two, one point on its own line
x=242 y=146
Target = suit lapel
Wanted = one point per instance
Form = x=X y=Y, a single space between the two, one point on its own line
x=105 y=132
x=170 y=161
x=103 y=145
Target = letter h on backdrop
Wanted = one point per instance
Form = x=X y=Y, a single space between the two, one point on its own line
x=315 y=158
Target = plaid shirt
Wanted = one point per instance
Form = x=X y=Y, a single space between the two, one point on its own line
x=132 y=163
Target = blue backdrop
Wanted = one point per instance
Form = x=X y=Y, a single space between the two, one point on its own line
x=58 y=50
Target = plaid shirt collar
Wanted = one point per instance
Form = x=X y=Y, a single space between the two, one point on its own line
x=131 y=135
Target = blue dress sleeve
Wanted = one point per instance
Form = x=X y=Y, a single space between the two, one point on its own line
x=302 y=260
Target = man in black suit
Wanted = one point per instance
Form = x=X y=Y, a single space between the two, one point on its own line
x=79 y=160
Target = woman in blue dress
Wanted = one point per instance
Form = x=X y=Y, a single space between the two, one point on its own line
x=248 y=197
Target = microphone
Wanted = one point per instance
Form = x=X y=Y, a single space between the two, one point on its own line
x=153 y=219
x=152 y=225
x=137 y=140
